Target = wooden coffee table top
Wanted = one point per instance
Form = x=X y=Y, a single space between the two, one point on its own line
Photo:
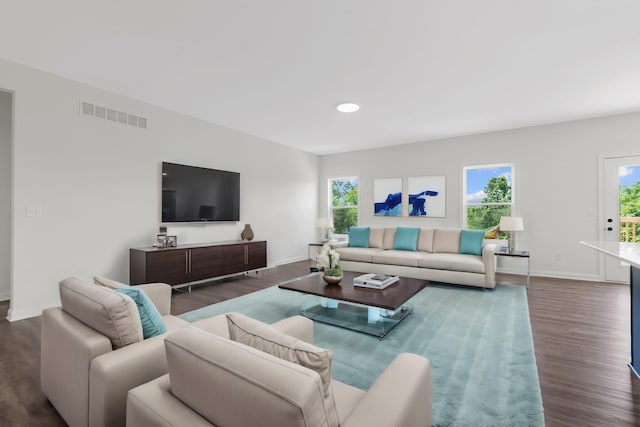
x=390 y=298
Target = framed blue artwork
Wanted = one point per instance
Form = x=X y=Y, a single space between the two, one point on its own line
x=427 y=196
x=387 y=197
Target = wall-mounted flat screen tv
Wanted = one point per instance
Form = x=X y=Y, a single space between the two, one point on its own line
x=195 y=194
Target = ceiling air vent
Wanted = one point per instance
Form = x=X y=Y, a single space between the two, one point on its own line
x=105 y=113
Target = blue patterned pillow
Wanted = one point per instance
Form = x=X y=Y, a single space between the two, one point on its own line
x=471 y=242
x=150 y=317
x=359 y=237
x=406 y=239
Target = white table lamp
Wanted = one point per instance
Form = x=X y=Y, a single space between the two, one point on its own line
x=511 y=224
x=325 y=224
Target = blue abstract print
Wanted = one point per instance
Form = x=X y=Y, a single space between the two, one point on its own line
x=417 y=202
x=392 y=206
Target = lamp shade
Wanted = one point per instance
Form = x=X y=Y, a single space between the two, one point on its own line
x=511 y=223
x=324 y=223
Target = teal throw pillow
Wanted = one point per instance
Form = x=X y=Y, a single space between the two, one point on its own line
x=150 y=317
x=406 y=238
x=471 y=242
x=359 y=237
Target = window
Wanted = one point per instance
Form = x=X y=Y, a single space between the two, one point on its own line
x=343 y=203
x=488 y=195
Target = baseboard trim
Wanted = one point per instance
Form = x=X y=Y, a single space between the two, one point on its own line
x=289 y=260
x=27 y=313
x=554 y=275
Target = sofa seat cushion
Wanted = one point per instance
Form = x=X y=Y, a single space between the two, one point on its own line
x=357 y=254
x=396 y=257
x=455 y=262
x=113 y=315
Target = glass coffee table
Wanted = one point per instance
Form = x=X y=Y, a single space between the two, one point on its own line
x=371 y=311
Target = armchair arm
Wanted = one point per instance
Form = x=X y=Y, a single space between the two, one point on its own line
x=489 y=260
x=159 y=294
x=68 y=347
x=152 y=404
x=401 y=396
x=114 y=374
x=296 y=326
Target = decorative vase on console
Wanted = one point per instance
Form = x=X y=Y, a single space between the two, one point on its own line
x=247 y=233
x=327 y=260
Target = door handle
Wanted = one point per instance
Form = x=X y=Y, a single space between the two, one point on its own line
x=609 y=228
x=609 y=220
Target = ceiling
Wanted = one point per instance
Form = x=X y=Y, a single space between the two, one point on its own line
x=420 y=69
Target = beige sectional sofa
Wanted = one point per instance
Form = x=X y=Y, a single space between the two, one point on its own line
x=437 y=257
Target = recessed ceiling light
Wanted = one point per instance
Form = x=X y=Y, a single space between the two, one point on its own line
x=348 y=107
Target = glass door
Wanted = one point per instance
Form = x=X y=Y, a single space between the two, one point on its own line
x=621 y=208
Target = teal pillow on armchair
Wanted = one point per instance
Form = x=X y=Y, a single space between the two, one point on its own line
x=150 y=317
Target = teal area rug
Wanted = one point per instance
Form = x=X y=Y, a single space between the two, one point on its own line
x=479 y=343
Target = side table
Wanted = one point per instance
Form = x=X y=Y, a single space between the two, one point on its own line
x=314 y=250
x=503 y=251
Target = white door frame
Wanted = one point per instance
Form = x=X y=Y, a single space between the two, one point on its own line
x=602 y=209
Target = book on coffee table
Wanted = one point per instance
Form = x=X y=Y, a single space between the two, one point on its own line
x=375 y=281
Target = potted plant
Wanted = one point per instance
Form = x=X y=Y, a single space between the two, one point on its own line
x=327 y=260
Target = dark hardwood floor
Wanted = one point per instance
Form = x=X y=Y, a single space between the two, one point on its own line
x=580 y=329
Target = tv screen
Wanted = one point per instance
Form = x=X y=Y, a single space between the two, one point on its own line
x=194 y=194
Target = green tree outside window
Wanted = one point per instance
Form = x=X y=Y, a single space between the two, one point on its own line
x=629 y=208
x=344 y=203
x=484 y=208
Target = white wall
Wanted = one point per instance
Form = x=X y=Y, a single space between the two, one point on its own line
x=556 y=168
x=97 y=184
x=5 y=195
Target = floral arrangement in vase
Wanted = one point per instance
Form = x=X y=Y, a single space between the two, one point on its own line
x=328 y=260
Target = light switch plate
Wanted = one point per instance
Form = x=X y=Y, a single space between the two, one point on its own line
x=34 y=211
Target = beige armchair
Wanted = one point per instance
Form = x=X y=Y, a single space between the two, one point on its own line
x=93 y=352
x=216 y=381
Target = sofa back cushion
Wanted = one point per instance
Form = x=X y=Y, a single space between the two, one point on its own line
x=358 y=237
x=233 y=385
x=425 y=240
x=389 y=238
x=376 y=237
x=111 y=314
x=471 y=242
x=406 y=239
x=265 y=338
x=446 y=240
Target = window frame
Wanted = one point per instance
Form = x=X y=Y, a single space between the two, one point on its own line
x=466 y=205
x=330 y=207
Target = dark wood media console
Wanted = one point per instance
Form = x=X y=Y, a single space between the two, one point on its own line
x=185 y=264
